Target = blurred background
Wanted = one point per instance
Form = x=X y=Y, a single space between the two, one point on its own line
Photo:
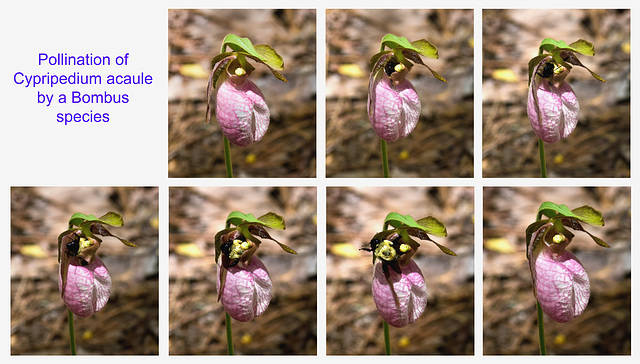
x=442 y=143
x=354 y=216
x=600 y=144
x=289 y=147
x=509 y=308
x=128 y=324
x=196 y=319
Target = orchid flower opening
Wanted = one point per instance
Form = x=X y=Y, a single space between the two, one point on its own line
x=244 y=285
x=83 y=279
x=552 y=105
x=399 y=288
x=240 y=107
x=560 y=282
x=393 y=104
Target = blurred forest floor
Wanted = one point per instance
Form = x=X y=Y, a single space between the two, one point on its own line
x=196 y=319
x=354 y=326
x=128 y=325
x=510 y=324
x=442 y=143
x=289 y=147
x=600 y=144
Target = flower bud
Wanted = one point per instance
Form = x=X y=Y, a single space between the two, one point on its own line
x=241 y=111
x=552 y=105
x=247 y=289
x=401 y=298
x=393 y=105
x=87 y=287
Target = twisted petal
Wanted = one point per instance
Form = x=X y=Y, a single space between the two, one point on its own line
x=247 y=290
x=553 y=111
x=562 y=285
x=410 y=289
x=394 y=108
x=88 y=288
x=241 y=111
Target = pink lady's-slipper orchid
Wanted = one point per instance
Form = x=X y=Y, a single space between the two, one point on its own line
x=399 y=289
x=84 y=281
x=560 y=282
x=240 y=108
x=552 y=104
x=393 y=103
x=244 y=286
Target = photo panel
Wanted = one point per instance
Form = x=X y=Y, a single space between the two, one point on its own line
x=261 y=93
x=89 y=253
x=270 y=293
x=359 y=301
x=561 y=75
x=584 y=288
x=402 y=78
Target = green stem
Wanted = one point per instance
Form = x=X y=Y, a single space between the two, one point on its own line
x=72 y=333
x=543 y=162
x=227 y=320
x=543 y=345
x=387 y=338
x=385 y=158
x=227 y=157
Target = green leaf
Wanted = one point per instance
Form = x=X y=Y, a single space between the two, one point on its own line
x=393 y=41
x=112 y=218
x=433 y=226
x=549 y=44
x=78 y=218
x=272 y=220
x=396 y=220
x=583 y=47
x=269 y=56
x=239 y=44
x=425 y=48
x=236 y=218
x=550 y=210
x=589 y=215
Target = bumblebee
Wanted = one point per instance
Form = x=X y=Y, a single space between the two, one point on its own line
x=547 y=70
x=390 y=67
